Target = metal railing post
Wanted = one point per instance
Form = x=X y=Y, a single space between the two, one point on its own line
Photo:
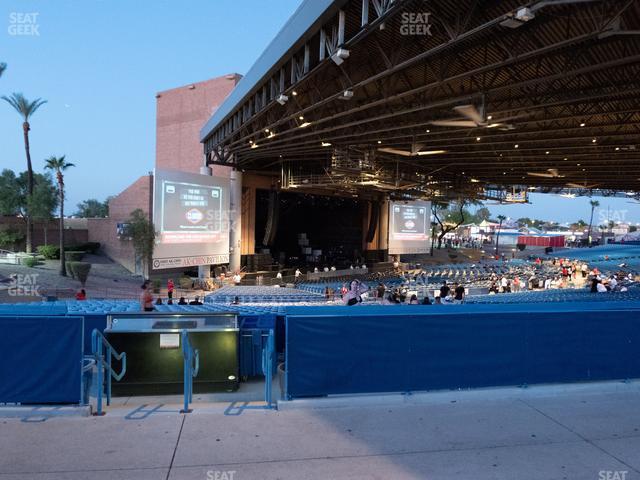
x=191 y=360
x=267 y=368
x=108 y=379
x=104 y=366
x=99 y=387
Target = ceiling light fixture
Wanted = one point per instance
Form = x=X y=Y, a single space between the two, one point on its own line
x=305 y=124
x=431 y=152
x=340 y=56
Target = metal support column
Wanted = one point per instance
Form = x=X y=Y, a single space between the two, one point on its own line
x=235 y=220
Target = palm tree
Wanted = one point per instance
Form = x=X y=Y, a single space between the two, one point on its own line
x=594 y=204
x=26 y=109
x=3 y=67
x=59 y=165
x=501 y=218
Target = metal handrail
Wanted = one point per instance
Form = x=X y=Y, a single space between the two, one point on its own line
x=191 y=362
x=103 y=361
x=268 y=353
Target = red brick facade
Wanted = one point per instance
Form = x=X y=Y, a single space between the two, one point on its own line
x=180 y=114
x=103 y=230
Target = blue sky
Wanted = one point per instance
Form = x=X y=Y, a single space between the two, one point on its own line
x=99 y=64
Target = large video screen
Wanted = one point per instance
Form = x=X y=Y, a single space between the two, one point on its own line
x=190 y=214
x=409 y=227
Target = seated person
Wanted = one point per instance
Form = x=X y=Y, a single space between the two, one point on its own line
x=159 y=301
x=195 y=301
x=81 y=295
x=182 y=301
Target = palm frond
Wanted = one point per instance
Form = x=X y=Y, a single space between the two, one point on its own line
x=3 y=67
x=57 y=163
x=23 y=106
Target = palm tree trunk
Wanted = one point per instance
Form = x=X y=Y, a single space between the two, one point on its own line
x=63 y=266
x=25 y=129
x=498 y=236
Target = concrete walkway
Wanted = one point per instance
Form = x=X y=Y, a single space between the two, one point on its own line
x=580 y=432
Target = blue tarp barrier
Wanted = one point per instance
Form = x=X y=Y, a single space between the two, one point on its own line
x=28 y=309
x=414 y=348
x=42 y=359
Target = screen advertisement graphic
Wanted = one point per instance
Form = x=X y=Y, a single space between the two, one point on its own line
x=409 y=227
x=191 y=219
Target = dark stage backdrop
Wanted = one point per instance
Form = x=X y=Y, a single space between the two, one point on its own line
x=332 y=224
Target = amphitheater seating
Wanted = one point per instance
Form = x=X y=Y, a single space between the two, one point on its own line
x=248 y=294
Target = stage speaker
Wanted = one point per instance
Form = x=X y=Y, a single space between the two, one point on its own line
x=373 y=221
x=273 y=215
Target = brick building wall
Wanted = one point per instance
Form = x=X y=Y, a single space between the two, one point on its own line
x=180 y=114
x=104 y=230
x=46 y=231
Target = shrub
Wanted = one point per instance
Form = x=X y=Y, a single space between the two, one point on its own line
x=10 y=238
x=81 y=271
x=30 y=261
x=88 y=247
x=185 y=282
x=69 y=266
x=156 y=285
x=49 y=252
x=73 y=256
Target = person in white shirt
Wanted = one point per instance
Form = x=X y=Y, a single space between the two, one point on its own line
x=298 y=273
x=237 y=279
x=279 y=275
x=333 y=269
x=326 y=269
x=315 y=270
x=613 y=282
x=601 y=288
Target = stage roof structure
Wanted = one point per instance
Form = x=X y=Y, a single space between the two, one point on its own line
x=446 y=98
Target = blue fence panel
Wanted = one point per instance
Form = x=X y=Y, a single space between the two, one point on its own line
x=396 y=349
x=254 y=332
x=42 y=359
